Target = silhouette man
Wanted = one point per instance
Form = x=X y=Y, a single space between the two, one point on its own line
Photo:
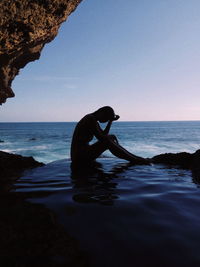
x=87 y=128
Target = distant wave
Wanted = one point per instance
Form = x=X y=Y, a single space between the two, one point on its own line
x=106 y=156
x=4 y=143
x=40 y=147
x=8 y=150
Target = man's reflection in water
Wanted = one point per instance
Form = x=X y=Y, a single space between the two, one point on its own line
x=96 y=185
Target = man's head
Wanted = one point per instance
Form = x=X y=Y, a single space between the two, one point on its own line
x=105 y=114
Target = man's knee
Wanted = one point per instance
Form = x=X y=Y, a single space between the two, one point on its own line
x=113 y=138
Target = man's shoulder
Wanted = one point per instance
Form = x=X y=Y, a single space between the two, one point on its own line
x=89 y=117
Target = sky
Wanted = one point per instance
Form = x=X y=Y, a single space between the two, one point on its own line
x=141 y=57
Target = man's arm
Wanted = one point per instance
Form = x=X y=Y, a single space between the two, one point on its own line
x=96 y=129
x=98 y=132
x=107 y=129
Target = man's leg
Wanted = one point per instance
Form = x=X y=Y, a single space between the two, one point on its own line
x=120 y=152
x=96 y=149
x=112 y=144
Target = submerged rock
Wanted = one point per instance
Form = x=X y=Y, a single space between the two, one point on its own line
x=12 y=165
x=32 y=139
x=25 y=27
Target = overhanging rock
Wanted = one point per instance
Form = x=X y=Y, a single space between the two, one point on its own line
x=25 y=27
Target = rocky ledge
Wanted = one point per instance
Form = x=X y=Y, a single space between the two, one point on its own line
x=25 y=27
x=13 y=165
x=184 y=160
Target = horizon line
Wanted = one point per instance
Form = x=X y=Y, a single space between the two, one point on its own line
x=115 y=121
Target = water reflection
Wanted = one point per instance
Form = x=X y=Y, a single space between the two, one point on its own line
x=181 y=172
x=95 y=183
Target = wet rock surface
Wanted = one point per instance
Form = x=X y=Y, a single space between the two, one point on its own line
x=184 y=160
x=25 y=27
x=13 y=165
x=31 y=236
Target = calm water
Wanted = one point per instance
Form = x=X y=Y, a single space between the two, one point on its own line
x=47 y=142
x=122 y=215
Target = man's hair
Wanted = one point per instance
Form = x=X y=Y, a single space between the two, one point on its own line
x=108 y=111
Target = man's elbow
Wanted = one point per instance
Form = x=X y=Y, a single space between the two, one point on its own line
x=102 y=137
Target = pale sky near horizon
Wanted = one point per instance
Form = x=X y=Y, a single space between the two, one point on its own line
x=141 y=57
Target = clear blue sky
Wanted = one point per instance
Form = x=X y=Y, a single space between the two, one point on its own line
x=141 y=57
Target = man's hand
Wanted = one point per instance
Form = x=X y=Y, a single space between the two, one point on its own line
x=116 y=117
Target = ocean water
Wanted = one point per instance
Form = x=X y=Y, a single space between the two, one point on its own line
x=121 y=215
x=48 y=142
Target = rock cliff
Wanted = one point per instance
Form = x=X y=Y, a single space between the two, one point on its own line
x=25 y=27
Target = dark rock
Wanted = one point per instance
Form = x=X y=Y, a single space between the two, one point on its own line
x=25 y=27
x=196 y=166
x=31 y=236
x=1 y=141
x=184 y=160
x=12 y=165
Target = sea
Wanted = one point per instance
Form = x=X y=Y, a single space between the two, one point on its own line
x=119 y=214
x=50 y=141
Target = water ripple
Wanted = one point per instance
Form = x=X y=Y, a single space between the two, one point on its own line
x=129 y=211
